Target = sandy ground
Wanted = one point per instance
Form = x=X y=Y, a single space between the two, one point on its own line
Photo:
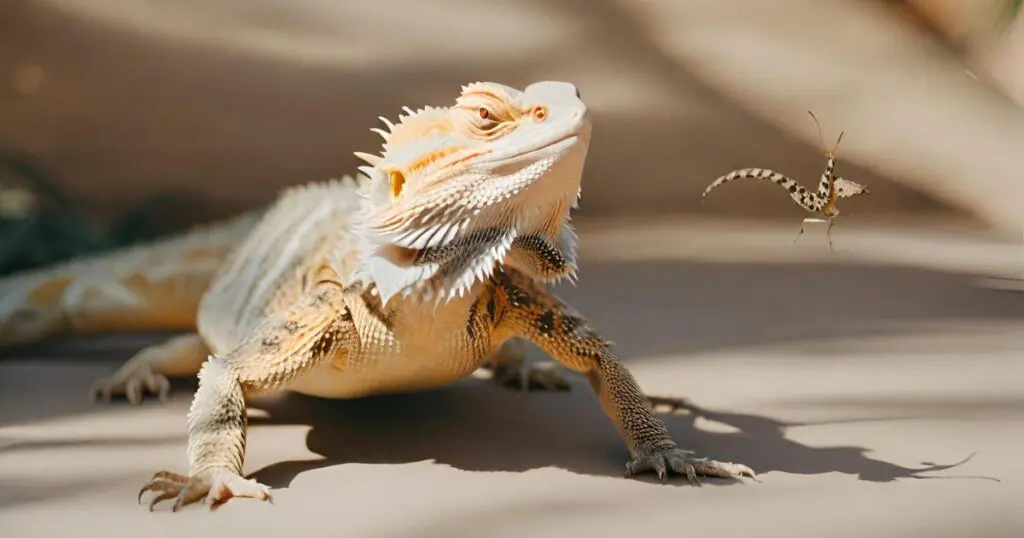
x=874 y=398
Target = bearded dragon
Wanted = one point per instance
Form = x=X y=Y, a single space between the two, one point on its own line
x=823 y=202
x=430 y=265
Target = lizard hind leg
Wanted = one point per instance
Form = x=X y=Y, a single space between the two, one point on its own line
x=509 y=369
x=148 y=370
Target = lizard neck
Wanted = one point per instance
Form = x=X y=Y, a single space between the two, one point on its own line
x=450 y=257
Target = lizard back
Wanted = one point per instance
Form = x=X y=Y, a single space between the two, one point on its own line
x=277 y=261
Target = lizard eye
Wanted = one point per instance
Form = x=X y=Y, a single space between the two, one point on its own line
x=484 y=119
x=488 y=119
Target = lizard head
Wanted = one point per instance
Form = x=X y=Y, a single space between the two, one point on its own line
x=458 y=190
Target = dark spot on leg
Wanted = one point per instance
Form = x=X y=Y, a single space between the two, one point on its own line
x=577 y=330
x=291 y=327
x=327 y=342
x=271 y=344
x=546 y=322
x=471 y=321
x=792 y=188
x=491 y=307
x=571 y=326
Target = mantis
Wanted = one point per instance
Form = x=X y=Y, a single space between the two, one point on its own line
x=821 y=202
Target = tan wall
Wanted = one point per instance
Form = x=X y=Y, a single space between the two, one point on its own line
x=127 y=100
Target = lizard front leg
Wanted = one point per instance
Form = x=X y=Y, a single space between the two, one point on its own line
x=279 y=350
x=533 y=313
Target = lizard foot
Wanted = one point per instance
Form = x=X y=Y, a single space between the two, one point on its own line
x=509 y=369
x=129 y=381
x=180 y=355
x=214 y=488
x=539 y=376
x=663 y=459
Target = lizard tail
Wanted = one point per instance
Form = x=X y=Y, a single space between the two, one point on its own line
x=797 y=192
x=152 y=286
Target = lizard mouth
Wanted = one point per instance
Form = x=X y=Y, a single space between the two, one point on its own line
x=556 y=147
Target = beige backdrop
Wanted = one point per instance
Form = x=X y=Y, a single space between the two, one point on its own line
x=225 y=104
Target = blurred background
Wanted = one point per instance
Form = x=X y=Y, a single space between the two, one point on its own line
x=130 y=119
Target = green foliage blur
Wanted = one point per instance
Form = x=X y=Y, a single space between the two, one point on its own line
x=40 y=225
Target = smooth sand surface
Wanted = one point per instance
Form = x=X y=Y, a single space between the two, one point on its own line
x=880 y=399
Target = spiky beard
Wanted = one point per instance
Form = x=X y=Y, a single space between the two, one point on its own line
x=441 y=252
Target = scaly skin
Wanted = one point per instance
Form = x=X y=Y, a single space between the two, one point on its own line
x=823 y=202
x=436 y=265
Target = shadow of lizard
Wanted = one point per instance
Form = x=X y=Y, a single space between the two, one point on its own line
x=476 y=426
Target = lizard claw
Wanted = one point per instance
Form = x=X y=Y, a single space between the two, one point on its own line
x=537 y=376
x=509 y=369
x=215 y=489
x=130 y=383
x=661 y=460
x=143 y=373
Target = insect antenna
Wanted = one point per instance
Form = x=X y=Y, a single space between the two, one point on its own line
x=821 y=136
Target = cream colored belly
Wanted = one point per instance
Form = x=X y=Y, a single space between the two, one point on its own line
x=389 y=373
x=422 y=348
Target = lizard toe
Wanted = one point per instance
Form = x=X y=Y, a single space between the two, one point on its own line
x=539 y=376
x=214 y=489
x=133 y=385
x=661 y=460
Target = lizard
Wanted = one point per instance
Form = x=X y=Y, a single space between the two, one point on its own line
x=823 y=202
x=435 y=261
